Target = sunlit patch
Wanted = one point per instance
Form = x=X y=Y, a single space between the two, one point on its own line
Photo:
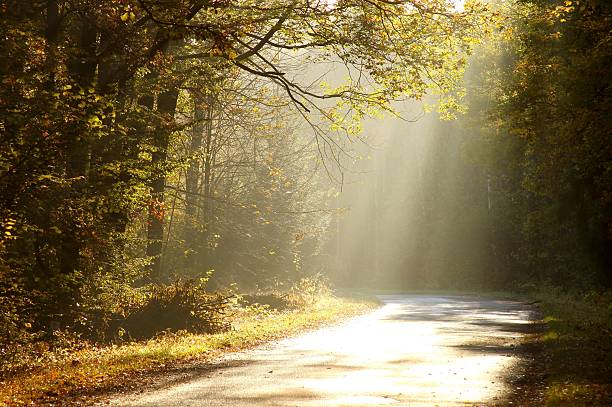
x=550 y=336
x=359 y=401
x=459 y=5
x=406 y=357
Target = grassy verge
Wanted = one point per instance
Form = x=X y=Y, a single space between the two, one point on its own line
x=577 y=345
x=92 y=368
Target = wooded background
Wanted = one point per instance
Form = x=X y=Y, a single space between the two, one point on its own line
x=146 y=142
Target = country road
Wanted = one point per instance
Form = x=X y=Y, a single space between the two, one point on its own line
x=415 y=350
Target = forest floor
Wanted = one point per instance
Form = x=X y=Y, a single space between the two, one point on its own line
x=81 y=376
x=571 y=357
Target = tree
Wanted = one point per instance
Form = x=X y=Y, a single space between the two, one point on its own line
x=88 y=109
x=543 y=140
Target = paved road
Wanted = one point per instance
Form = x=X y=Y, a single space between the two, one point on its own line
x=414 y=351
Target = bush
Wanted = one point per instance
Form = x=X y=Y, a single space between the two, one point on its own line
x=182 y=305
x=305 y=292
x=308 y=290
x=272 y=300
x=16 y=320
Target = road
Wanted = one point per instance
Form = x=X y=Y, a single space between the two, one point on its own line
x=415 y=350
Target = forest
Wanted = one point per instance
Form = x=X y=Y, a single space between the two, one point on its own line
x=164 y=163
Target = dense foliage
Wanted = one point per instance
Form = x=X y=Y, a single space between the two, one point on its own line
x=147 y=141
x=541 y=130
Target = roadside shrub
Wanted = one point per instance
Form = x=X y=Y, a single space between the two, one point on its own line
x=308 y=290
x=303 y=293
x=182 y=305
x=273 y=300
x=16 y=321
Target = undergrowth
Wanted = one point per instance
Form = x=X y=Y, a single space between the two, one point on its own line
x=578 y=347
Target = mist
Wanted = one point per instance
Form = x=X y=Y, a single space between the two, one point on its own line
x=416 y=212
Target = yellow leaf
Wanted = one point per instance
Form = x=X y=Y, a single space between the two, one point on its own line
x=125 y=17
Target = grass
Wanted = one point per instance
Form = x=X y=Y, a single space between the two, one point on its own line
x=94 y=368
x=577 y=345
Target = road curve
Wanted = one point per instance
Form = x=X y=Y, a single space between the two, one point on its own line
x=416 y=350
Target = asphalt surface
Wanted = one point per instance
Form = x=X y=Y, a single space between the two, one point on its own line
x=414 y=351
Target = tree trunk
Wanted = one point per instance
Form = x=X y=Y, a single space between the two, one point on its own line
x=191 y=182
x=112 y=147
x=82 y=69
x=206 y=185
x=166 y=107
